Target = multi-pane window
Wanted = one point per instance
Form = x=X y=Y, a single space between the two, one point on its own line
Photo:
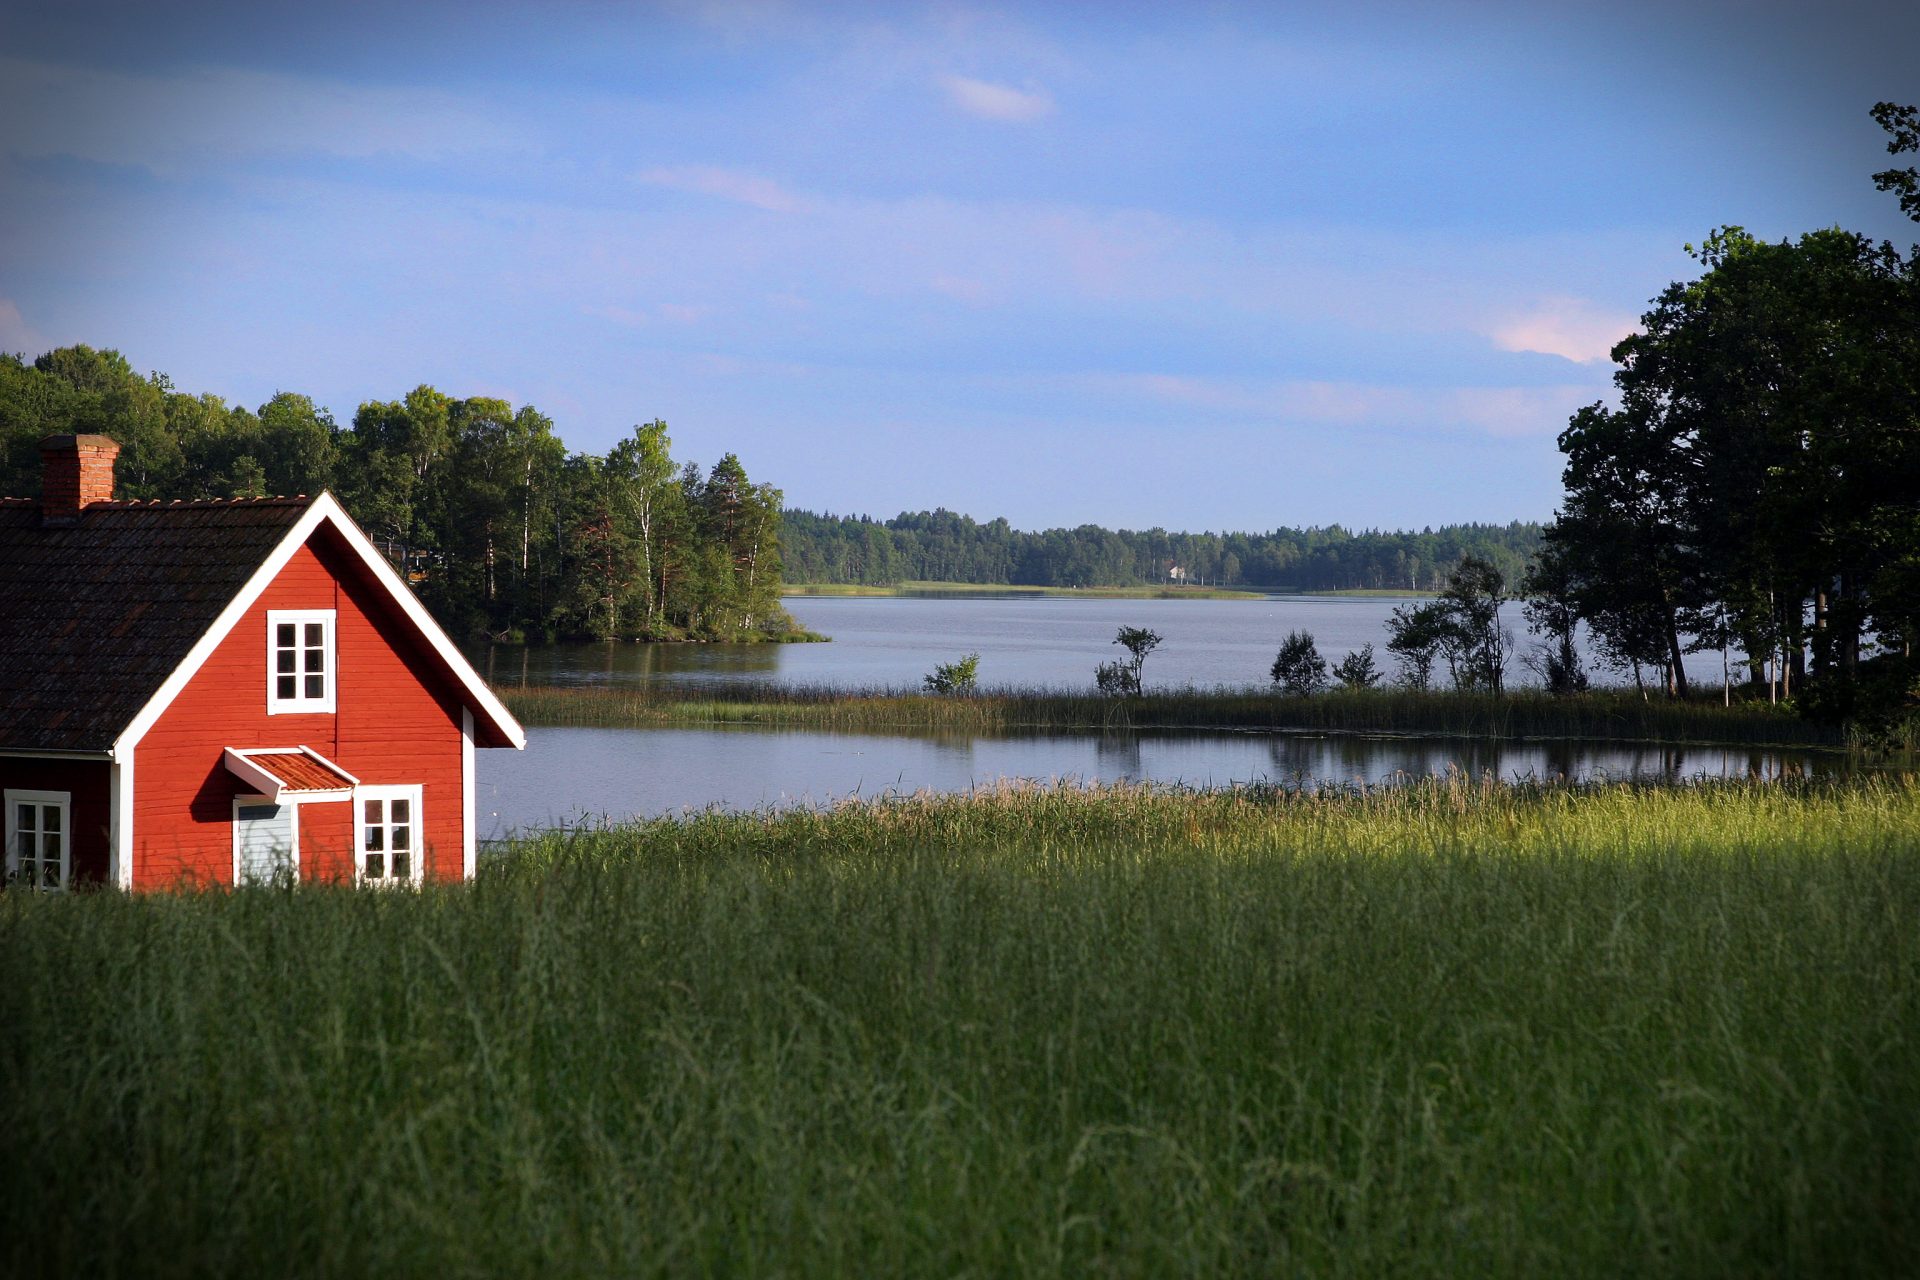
x=39 y=855
x=388 y=830
x=300 y=660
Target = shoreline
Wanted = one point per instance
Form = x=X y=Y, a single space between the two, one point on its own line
x=1606 y=716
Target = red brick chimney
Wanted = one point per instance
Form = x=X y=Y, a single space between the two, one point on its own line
x=74 y=470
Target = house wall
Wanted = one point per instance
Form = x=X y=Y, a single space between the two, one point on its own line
x=326 y=840
x=90 y=783
x=396 y=720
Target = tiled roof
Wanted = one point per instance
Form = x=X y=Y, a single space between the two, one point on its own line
x=299 y=771
x=95 y=615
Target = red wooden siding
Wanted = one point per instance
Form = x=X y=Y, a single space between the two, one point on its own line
x=90 y=782
x=326 y=840
x=396 y=721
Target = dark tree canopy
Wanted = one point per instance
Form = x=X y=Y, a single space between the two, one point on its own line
x=498 y=526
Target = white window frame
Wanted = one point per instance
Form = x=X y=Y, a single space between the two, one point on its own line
x=300 y=703
x=245 y=801
x=63 y=800
x=416 y=845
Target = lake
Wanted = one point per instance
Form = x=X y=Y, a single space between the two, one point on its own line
x=1022 y=640
x=566 y=776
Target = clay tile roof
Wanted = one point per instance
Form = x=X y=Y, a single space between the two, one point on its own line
x=95 y=615
x=301 y=772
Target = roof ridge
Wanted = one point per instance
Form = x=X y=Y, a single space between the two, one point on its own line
x=153 y=504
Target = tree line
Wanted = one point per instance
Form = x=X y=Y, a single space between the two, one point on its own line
x=1756 y=491
x=942 y=546
x=503 y=531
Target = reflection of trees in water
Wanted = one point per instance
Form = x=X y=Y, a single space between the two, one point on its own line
x=616 y=663
x=1305 y=760
x=1119 y=755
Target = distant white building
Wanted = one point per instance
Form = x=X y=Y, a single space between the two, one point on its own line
x=1176 y=574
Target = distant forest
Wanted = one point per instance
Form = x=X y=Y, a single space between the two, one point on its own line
x=940 y=546
x=503 y=531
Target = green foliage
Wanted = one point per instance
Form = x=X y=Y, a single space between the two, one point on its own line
x=1903 y=123
x=1441 y=1031
x=942 y=546
x=961 y=677
x=1122 y=678
x=1609 y=714
x=499 y=528
x=1298 y=667
x=1757 y=486
x=1357 y=670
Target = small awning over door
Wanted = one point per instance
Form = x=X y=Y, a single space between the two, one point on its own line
x=291 y=773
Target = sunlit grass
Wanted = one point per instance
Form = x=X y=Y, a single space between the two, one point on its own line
x=1448 y=1029
x=1613 y=715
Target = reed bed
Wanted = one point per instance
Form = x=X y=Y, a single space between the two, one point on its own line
x=1609 y=715
x=1446 y=1029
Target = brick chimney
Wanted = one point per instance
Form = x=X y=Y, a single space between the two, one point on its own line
x=74 y=471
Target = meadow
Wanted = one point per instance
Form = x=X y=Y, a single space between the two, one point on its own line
x=1446 y=1029
x=1602 y=715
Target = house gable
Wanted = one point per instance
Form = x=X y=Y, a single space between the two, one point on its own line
x=397 y=721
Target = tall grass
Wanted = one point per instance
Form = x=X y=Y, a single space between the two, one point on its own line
x=1443 y=1030
x=1616 y=715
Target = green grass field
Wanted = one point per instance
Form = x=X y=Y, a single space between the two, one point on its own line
x=1443 y=1031
x=1615 y=715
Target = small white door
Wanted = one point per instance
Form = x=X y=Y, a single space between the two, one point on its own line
x=262 y=842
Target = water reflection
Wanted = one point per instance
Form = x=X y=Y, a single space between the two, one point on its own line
x=566 y=774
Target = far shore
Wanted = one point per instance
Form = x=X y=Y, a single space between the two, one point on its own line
x=1169 y=591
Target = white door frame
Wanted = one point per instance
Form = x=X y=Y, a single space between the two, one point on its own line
x=293 y=824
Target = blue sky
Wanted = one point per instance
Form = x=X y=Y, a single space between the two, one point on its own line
x=1197 y=266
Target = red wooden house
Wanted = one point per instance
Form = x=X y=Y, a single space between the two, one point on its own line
x=217 y=691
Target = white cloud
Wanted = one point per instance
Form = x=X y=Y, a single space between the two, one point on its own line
x=999 y=102
x=729 y=184
x=1571 y=328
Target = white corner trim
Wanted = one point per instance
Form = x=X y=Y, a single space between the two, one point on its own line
x=469 y=845
x=120 y=822
x=324 y=508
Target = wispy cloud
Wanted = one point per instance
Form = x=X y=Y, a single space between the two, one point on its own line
x=729 y=184
x=1571 y=328
x=1000 y=102
x=640 y=317
x=1502 y=412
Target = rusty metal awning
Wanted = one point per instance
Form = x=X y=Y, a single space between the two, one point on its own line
x=292 y=773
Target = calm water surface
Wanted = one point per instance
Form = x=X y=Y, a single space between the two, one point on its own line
x=567 y=776
x=1021 y=640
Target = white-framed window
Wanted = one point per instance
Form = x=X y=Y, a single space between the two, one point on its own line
x=300 y=660
x=386 y=835
x=39 y=838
